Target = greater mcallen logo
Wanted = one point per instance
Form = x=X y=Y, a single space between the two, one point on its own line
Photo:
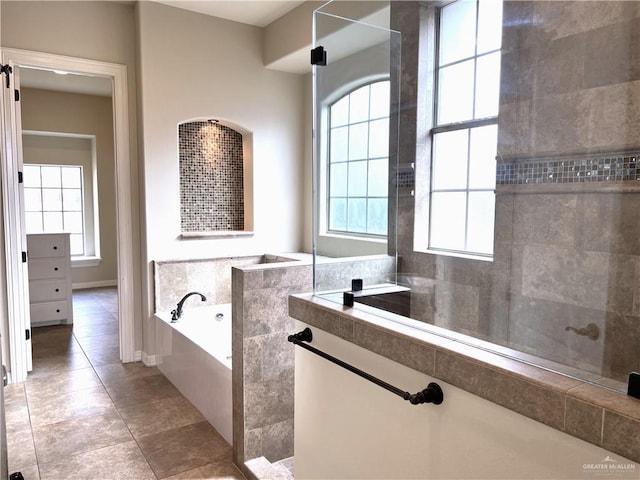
x=608 y=466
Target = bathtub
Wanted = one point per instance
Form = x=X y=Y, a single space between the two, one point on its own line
x=195 y=355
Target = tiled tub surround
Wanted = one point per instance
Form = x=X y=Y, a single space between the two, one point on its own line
x=591 y=413
x=258 y=288
x=211 y=177
x=566 y=246
x=209 y=276
x=263 y=360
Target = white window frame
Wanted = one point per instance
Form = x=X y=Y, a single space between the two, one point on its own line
x=91 y=217
x=326 y=220
x=452 y=127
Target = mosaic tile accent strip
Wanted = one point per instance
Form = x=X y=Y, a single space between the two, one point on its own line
x=406 y=177
x=211 y=177
x=579 y=169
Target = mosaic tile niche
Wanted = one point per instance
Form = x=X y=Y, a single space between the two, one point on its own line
x=211 y=177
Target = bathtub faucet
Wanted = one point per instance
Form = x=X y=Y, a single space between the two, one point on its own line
x=177 y=313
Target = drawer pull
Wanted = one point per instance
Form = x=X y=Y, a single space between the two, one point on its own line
x=57 y=310
x=55 y=268
x=57 y=289
x=55 y=247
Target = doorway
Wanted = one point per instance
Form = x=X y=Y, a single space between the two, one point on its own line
x=14 y=233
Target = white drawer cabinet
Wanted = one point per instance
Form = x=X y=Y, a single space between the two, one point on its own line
x=50 y=294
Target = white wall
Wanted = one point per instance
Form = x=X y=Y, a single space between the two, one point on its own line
x=347 y=427
x=193 y=66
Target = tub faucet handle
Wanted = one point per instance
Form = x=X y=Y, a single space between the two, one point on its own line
x=177 y=312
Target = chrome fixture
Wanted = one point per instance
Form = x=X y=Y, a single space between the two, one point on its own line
x=177 y=313
x=592 y=331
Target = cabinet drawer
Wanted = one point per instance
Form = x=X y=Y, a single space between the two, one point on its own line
x=46 y=290
x=47 y=246
x=41 y=312
x=50 y=268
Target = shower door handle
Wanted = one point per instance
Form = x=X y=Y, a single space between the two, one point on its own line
x=592 y=331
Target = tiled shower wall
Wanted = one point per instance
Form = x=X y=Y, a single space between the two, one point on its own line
x=566 y=238
x=211 y=177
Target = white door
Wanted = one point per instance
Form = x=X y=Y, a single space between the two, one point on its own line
x=15 y=238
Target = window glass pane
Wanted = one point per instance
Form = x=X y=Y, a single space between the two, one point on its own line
x=72 y=222
x=338 y=214
x=52 y=222
x=450 y=160
x=340 y=112
x=32 y=200
x=76 y=245
x=379 y=138
x=489 y=25
x=358 y=141
x=358 y=179
x=71 y=177
x=72 y=199
x=482 y=157
x=339 y=144
x=377 y=216
x=480 y=222
x=357 y=215
x=33 y=222
x=379 y=100
x=31 y=175
x=50 y=176
x=338 y=180
x=378 y=178
x=457 y=31
x=448 y=220
x=455 y=98
x=359 y=105
x=51 y=199
x=487 y=85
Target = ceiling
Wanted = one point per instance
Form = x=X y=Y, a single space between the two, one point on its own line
x=49 y=80
x=253 y=12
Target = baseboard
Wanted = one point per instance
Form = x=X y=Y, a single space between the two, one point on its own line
x=149 y=360
x=98 y=284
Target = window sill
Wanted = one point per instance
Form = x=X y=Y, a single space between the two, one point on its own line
x=445 y=253
x=78 y=262
x=336 y=236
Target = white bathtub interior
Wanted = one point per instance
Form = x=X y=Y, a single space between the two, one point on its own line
x=194 y=353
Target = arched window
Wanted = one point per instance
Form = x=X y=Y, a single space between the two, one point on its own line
x=358 y=161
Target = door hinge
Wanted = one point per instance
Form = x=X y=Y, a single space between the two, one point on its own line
x=318 y=56
x=6 y=69
x=28 y=334
x=16 y=95
x=24 y=257
x=20 y=177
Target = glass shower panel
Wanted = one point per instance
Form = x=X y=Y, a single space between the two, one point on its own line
x=355 y=163
x=545 y=188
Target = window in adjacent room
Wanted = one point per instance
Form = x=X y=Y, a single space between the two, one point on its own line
x=358 y=161
x=53 y=200
x=465 y=130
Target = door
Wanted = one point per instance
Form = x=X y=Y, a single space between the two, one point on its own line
x=17 y=277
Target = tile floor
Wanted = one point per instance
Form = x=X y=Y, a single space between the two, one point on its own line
x=82 y=414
